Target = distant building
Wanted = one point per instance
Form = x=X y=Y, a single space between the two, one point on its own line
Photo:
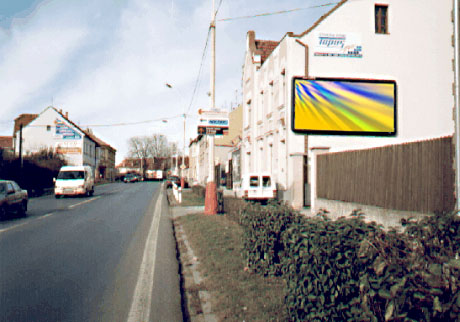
x=105 y=168
x=51 y=129
x=223 y=145
x=6 y=145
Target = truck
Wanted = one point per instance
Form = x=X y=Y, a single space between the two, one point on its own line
x=154 y=175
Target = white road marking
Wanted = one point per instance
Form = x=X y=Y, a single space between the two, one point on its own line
x=83 y=202
x=25 y=223
x=45 y=216
x=13 y=227
x=142 y=298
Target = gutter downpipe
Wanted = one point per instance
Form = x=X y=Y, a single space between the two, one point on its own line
x=307 y=60
x=457 y=107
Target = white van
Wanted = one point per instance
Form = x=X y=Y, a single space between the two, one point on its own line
x=257 y=186
x=74 y=180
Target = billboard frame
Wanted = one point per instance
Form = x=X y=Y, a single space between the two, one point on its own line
x=344 y=133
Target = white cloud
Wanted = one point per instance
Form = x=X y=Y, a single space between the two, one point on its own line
x=108 y=61
x=32 y=59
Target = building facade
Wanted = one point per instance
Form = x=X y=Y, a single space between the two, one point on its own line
x=383 y=44
x=51 y=129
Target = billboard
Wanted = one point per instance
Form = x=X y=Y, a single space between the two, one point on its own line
x=344 y=106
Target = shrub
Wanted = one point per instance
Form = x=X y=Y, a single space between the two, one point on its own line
x=37 y=172
x=350 y=270
x=413 y=276
x=322 y=269
x=263 y=226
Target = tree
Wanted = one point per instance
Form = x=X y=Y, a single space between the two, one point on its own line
x=154 y=147
x=160 y=147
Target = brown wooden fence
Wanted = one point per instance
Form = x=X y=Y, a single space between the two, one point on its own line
x=413 y=176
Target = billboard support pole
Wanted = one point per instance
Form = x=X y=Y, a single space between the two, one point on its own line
x=457 y=107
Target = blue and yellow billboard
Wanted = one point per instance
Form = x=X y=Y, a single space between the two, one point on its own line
x=344 y=106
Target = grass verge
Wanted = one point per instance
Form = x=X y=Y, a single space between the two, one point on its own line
x=237 y=294
x=190 y=198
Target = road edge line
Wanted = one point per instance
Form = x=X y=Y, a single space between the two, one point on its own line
x=142 y=297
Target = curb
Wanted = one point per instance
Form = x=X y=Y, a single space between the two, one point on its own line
x=188 y=264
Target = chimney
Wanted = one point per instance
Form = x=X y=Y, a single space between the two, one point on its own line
x=66 y=115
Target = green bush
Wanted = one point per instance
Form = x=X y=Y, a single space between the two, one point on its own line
x=263 y=226
x=413 y=276
x=37 y=173
x=350 y=270
x=322 y=269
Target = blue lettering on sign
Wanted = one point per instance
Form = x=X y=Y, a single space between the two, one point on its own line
x=218 y=122
x=332 y=41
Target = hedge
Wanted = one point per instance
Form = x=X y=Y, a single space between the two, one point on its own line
x=350 y=270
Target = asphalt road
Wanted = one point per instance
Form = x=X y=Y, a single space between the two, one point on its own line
x=79 y=259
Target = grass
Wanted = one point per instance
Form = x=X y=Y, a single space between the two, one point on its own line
x=189 y=198
x=238 y=294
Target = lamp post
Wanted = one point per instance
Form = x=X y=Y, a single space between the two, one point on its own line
x=182 y=167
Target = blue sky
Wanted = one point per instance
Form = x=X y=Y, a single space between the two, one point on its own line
x=107 y=61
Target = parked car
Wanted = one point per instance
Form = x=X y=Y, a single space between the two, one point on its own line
x=170 y=180
x=74 y=180
x=257 y=186
x=12 y=198
x=131 y=177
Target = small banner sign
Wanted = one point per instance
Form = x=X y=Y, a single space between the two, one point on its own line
x=213 y=123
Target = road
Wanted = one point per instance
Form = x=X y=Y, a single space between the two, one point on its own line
x=85 y=259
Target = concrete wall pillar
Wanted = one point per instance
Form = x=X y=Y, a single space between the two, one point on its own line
x=315 y=151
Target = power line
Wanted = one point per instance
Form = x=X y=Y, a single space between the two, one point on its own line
x=218 y=7
x=197 y=82
x=278 y=12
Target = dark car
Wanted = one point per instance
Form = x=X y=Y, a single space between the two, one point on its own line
x=175 y=179
x=12 y=198
x=131 y=177
x=170 y=180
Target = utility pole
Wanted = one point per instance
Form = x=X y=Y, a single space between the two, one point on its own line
x=182 y=180
x=457 y=107
x=21 y=162
x=210 y=206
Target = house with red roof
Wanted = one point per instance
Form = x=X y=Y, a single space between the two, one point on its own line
x=53 y=129
x=391 y=41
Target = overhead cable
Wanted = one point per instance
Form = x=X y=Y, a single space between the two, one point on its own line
x=278 y=12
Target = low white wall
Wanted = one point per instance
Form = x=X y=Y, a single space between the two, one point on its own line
x=386 y=217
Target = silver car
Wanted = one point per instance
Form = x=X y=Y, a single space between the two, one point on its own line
x=12 y=198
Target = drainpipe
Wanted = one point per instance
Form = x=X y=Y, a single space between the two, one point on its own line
x=306 y=136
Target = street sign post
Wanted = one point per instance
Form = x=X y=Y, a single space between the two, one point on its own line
x=213 y=123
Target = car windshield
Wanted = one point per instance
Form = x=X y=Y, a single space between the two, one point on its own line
x=69 y=175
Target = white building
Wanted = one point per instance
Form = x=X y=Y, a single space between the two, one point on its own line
x=395 y=40
x=53 y=130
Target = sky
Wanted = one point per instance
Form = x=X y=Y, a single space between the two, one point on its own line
x=107 y=62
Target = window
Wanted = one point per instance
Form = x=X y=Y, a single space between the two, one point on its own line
x=266 y=182
x=254 y=181
x=48 y=128
x=381 y=19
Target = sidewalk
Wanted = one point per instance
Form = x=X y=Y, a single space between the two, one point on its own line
x=196 y=301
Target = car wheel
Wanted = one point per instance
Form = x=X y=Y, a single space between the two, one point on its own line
x=57 y=196
x=2 y=212
x=91 y=192
x=23 y=208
